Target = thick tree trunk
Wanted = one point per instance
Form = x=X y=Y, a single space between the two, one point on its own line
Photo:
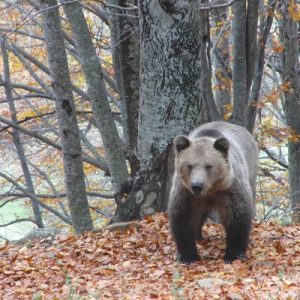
x=126 y=57
x=16 y=136
x=97 y=92
x=68 y=126
x=170 y=92
x=147 y=192
x=171 y=99
x=290 y=77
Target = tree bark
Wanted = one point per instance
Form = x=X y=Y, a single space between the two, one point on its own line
x=251 y=41
x=171 y=99
x=290 y=77
x=170 y=74
x=222 y=75
x=126 y=58
x=96 y=89
x=206 y=69
x=244 y=27
x=239 y=77
x=265 y=27
x=16 y=136
x=68 y=126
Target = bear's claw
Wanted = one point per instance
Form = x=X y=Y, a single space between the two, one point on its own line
x=188 y=259
x=229 y=258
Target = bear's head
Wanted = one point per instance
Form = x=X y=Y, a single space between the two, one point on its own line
x=202 y=164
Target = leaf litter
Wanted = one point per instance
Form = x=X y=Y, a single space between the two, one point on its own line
x=140 y=263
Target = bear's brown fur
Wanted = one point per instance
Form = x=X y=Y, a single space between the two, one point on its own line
x=215 y=170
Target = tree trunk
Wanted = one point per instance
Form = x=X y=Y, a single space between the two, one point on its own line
x=251 y=41
x=170 y=92
x=171 y=99
x=222 y=74
x=239 y=62
x=126 y=58
x=244 y=27
x=68 y=126
x=265 y=27
x=97 y=92
x=16 y=137
x=206 y=71
x=290 y=77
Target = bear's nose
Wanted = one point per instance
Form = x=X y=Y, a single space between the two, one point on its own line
x=197 y=187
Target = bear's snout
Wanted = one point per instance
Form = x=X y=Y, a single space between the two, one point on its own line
x=197 y=187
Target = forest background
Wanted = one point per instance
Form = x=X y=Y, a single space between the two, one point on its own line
x=93 y=92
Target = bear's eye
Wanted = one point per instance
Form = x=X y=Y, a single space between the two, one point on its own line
x=208 y=167
x=189 y=167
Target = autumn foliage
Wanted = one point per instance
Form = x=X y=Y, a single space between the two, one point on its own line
x=139 y=263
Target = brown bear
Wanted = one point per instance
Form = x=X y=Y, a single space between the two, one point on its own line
x=215 y=170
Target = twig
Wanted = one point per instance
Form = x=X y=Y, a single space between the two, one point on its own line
x=216 y=6
x=17 y=221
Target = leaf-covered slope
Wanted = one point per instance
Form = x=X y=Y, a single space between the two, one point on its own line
x=139 y=264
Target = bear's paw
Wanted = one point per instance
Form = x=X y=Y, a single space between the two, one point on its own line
x=187 y=259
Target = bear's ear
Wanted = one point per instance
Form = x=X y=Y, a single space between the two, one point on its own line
x=222 y=145
x=181 y=142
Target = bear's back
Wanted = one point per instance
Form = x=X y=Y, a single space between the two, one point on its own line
x=237 y=136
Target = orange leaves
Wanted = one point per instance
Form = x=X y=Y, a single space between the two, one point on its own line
x=286 y=86
x=139 y=263
x=280 y=249
x=282 y=134
x=89 y=169
x=270 y=127
x=277 y=47
x=228 y=111
x=294 y=10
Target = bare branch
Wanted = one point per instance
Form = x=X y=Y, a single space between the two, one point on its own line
x=7 y=201
x=216 y=6
x=275 y=158
x=58 y=195
x=18 y=221
x=24 y=87
x=22 y=33
x=97 y=11
x=36 y=200
x=28 y=96
x=36 y=135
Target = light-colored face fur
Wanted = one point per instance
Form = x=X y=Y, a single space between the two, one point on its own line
x=202 y=165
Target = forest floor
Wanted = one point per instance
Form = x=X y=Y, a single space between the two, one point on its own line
x=139 y=263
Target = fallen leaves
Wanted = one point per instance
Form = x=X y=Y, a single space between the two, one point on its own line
x=139 y=263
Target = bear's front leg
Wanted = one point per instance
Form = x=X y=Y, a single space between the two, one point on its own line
x=238 y=229
x=180 y=216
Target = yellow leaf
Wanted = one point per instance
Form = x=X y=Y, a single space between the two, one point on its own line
x=294 y=11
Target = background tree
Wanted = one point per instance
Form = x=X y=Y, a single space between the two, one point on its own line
x=291 y=91
x=220 y=54
x=125 y=43
x=69 y=133
x=244 y=27
x=16 y=134
x=141 y=73
x=97 y=92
